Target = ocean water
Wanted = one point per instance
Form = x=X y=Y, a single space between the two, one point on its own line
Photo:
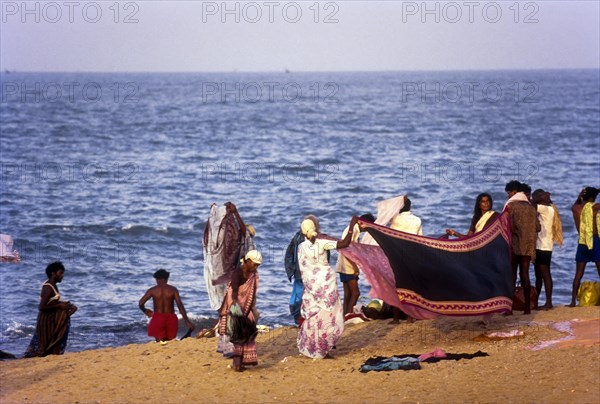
x=114 y=174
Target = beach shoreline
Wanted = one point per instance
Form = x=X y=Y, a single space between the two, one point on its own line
x=192 y=371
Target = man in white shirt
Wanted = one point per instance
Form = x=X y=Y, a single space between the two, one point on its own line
x=551 y=232
x=407 y=222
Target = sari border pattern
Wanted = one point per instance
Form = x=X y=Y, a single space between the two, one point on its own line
x=453 y=308
x=474 y=242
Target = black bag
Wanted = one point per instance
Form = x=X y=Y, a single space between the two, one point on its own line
x=240 y=328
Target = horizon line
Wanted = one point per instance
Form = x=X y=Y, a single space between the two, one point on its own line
x=287 y=71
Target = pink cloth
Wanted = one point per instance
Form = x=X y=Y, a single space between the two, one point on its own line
x=374 y=264
x=436 y=353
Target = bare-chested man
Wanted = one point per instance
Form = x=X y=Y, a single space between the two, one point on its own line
x=163 y=323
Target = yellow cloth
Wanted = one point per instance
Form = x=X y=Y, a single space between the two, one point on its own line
x=483 y=220
x=589 y=293
x=586 y=226
x=308 y=228
x=557 y=235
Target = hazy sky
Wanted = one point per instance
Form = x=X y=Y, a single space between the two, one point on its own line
x=301 y=36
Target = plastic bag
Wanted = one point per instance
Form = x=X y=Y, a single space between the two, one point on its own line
x=589 y=293
x=240 y=328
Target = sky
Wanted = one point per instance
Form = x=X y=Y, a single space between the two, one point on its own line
x=216 y=36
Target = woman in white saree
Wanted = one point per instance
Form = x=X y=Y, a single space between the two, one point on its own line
x=321 y=307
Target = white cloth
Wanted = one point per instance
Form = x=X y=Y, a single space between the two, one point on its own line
x=321 y=307
x=7 y=253
x=344 y=265
x=408 y=223
x=545 y=237
x=518 y=197
x=212 y=247
x=386 y=210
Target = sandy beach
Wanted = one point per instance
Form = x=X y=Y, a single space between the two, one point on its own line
x=191 y=371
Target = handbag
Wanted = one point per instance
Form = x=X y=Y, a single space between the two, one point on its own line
x=519 y=299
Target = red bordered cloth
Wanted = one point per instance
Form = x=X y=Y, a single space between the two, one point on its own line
x=426 y=277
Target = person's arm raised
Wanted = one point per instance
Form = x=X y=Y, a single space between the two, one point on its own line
x=348 y=239
x=576 y=209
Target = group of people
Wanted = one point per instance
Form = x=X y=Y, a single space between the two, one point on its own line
x=535 y=227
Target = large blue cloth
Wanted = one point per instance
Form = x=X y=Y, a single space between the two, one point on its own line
x=468 y=276
x=296 y=299
x=292 y=270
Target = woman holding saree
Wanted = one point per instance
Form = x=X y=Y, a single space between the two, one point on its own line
x=242 y=291
x=292 y=270
x=54 y=318
x=483 y=216
x=321 y=308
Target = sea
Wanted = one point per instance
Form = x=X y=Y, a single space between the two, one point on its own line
x=114 y=173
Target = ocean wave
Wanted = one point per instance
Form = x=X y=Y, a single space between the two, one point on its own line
x=14 y=329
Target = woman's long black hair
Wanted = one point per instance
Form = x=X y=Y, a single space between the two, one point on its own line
x=477 y=213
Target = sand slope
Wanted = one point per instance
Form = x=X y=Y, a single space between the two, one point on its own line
x=191 y=370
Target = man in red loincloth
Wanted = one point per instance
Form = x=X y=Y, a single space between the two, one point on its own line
x=163 y=323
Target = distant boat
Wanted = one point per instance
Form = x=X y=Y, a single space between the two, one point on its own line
x=287 y=71
x=7 y=71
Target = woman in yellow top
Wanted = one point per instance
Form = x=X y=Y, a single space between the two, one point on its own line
x=483 y=216
x=588 y=249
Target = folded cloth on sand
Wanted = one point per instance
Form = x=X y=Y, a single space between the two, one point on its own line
x=436 y=353
x=393 y=363
x=411 y=361
x=355 y=318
